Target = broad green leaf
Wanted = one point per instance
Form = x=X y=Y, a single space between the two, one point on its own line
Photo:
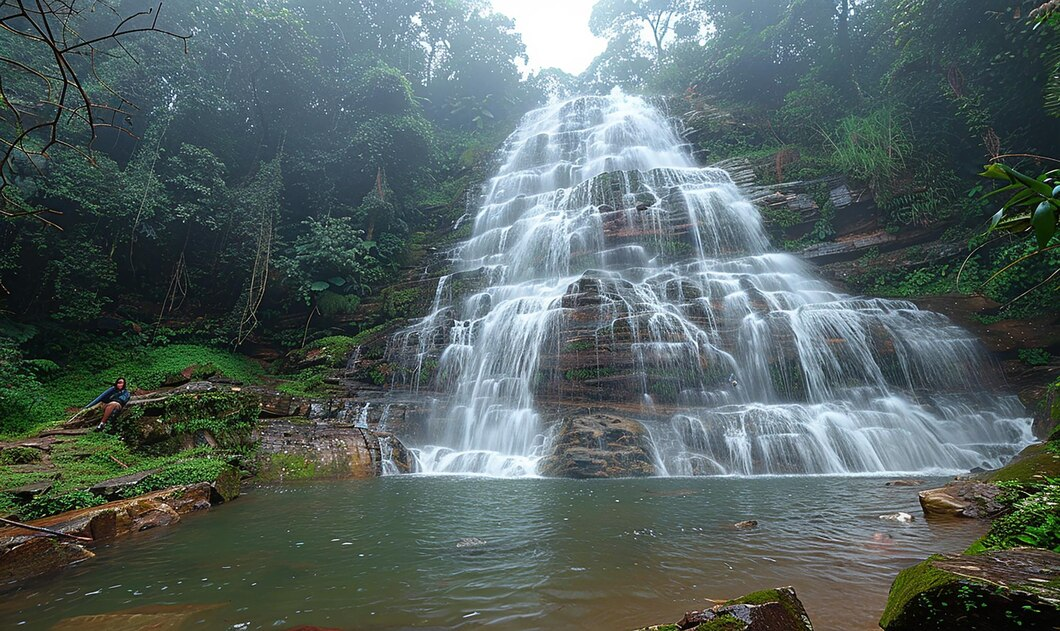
x=1044 y=222
x=995 y=171
x=1003 y=189
x=320 y=285
x=1041 y=188
x=1023 y=198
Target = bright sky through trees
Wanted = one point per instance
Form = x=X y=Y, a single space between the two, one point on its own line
x=556 y=32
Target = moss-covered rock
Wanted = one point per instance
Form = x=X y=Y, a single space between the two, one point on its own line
x=1035 y=462
x=225 y=487
x=768 y=610
x=1013 y=589
x=195 y=415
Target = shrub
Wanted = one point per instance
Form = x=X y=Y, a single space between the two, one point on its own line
x=179 y=474
x=1035 y=356
x=19 y=455
x=873 y=148
x=1034 y=521
x=46 y=505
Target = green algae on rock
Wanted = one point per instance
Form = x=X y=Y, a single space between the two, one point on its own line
x=767 y=610
x=1017 y=588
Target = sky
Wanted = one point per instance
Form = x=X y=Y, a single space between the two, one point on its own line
x=556 y=32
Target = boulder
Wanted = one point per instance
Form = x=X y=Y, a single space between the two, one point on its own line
x=599 y=446
x=150 y=514
x=905 y=483
x=192 y=498
x=226 y=487
x=1012 y=589
x=769 y=610
x=962 y=498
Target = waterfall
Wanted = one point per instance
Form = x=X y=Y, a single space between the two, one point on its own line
x=606 y=271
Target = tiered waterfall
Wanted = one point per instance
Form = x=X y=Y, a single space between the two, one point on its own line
x=607 y=272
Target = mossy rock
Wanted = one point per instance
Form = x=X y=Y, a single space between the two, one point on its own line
x=768 y=610
x=217 y=417
x=287 y=467
x=226 y=486
x=1034 y=462
x=1013 y=589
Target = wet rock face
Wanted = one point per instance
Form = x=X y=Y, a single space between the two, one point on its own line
x=304 y=450
x=599 y=446
x=1013 y=589
x=964 y=498
x=770 y=610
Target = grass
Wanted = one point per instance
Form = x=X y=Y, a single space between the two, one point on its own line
x=100 y=363
x=83 y=461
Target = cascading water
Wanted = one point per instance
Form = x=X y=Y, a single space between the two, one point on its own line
x=607 y=271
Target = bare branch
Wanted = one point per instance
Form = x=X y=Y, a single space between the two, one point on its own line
x=53 y=24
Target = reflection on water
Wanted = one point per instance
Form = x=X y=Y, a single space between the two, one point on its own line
x=454 y=552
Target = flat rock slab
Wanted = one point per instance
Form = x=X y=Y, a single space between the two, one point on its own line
x=112 y=488
x=1011 y=589
x=27 y=492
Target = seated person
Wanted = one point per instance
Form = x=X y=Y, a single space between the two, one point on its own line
x=113 y=400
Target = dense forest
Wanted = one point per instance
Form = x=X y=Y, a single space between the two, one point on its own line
x=243 y=175
x=305 y=236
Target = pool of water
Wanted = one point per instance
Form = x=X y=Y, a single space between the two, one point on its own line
x=459 y=552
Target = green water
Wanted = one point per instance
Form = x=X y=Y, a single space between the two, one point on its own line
x=387 y=554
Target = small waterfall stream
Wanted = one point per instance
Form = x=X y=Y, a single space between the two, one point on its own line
x=607 y=271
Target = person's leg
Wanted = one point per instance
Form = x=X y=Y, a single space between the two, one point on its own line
x=108 y=411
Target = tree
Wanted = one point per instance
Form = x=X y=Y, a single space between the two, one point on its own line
x=611 y=18
x=50 y=46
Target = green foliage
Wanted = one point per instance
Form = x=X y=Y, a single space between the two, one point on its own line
x=93 y=363
x=331 y=255
x=921 y=281
x=19 y=455
x=585 y=374
x=1035 y=356
x=1033 y=205
x=873 y=149
x=46 y=505
x=228 y=416
x=179 y=474
x=399 y=303
x=1034 y=521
